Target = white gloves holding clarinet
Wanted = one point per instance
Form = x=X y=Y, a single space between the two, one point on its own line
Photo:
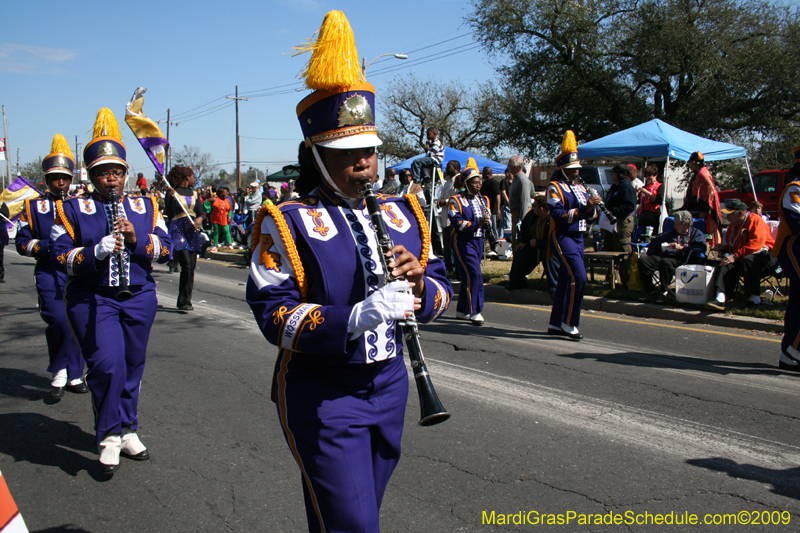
x=390 y=302
x=106 y=247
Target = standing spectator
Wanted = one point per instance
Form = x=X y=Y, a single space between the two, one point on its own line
x=407 y=186
x=141 y=184
x=448 y=189
x=251 y=204
x=534 y=232
x=390 y=183
x=470 y=218
x=787 y=250
x=434 y=154
x=747 y=253
x=621 y=201
x=684 y=244
x=570 y=208
x=505 y=211
x=519 y=195
x=702 y=198
x=651 y=196
x=491 y=190
x=221 y=213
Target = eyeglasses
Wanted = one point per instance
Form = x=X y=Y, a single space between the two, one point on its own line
x=117 y=173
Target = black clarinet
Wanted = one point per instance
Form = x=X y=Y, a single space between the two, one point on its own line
x=601 y=205
x=432 y=411
x=124 y=292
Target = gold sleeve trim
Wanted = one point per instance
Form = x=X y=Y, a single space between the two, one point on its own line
x=286 y=237
x=62 y=219
x=424 y=231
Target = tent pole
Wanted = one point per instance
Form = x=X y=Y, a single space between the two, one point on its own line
x=662 y=215
x=750 y=175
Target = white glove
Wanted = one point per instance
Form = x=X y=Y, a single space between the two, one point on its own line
x=106 y=247
x=390 y=302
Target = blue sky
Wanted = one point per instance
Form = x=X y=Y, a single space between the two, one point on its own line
x=60 y=62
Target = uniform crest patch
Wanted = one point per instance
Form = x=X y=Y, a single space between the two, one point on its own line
x=87 y=206
x=43 y=206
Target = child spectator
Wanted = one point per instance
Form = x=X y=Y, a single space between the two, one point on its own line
x=757 y=208
x=434 y=155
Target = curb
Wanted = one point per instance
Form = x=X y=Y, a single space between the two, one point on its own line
x=496 y=293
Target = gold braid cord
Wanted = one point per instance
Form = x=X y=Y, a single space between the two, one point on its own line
x=62 y=219
x=29 y=216
x=424 y=231
x=155 y=212
x=288 y=243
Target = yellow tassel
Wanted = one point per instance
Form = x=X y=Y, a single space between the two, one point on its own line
x=472 y=164
x=569 y=144
x=106 y=125
x=61 y=146
x=334 y=59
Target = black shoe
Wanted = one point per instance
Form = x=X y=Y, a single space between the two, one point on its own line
x=574 y=336
x=56 y=392
x=108 y=469
x=141 y=456
x=2 y=280
x=186 y=307
x=79 y=388
x=558 y=332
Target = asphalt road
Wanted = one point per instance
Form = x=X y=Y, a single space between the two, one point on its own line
x=642 y=419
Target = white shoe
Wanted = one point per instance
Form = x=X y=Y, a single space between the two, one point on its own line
x=109 y=449
x=462 y=316
x=476 y=319
x=133 y=448
x=755 y=299
x=788 y=363
x=59 y=379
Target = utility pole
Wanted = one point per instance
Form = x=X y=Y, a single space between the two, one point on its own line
x=5 y=133
x=238 y=158
x=18 y=160
x=169 y=148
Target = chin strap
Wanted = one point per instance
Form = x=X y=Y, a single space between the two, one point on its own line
x=329 y=181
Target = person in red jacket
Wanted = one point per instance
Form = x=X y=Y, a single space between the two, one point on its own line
x=747 y=250
x=141 y=183
x=221 y=213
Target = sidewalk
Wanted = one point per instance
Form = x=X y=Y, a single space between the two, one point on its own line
x=497 y=293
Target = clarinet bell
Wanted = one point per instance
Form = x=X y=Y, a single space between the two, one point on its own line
x=123 y=295
x=432 y=411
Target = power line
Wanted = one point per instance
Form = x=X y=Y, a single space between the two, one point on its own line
x=226 y=105
x=178 y=116
x=427 y=59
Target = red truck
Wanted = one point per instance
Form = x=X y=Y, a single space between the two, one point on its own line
x=769 y=186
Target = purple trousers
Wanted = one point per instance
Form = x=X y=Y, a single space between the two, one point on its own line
x=113 y=338
x=468 y=251
x=568 y=299
x=343 y=424
x=61 y=345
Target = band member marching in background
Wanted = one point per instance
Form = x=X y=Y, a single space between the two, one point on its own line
x=317 y=291
x=470 y=218
x=570 y=208
x=33 y=240
x=787 y=250
x=182 y=207
x=105 y=242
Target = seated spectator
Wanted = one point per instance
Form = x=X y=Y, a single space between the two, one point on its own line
x=390 y=183
x=407 y=186
x=748 y=252
x=684 y=244
x=532 y=248
x=757 y=208
x=434 y=154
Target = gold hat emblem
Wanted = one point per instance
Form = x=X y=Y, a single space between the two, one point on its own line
x=355 y=111
x=107 y=148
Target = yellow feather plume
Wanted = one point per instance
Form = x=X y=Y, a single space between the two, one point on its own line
x=569 y=144
x=106 y=125
x=61 y=146
x=472 y=164
x=334 y=59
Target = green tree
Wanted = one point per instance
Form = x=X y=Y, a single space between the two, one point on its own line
x=712 y=67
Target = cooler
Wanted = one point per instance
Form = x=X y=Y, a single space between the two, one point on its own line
x=694 y=283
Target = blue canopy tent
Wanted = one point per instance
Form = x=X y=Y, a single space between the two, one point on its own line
x=460 y=156
x=657 y=140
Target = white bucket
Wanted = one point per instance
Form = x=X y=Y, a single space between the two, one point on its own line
x=503 y=250
x=693 y=283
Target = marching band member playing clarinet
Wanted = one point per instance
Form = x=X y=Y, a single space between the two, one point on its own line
x=33 y=240
x=100 y=255
x=470 y=218
x=570 y=208
x=317 y=291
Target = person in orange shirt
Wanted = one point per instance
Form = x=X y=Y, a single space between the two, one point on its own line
x=221 y=214
x=747 y=250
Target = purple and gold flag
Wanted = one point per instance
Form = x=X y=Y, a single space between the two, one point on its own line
x=149 y=134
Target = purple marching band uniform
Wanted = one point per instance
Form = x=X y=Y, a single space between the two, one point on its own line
x=33 y=240
x=569 y=214
x=341 y=401
x=466 y=218
x=787 y=250
x=187 y=241
x=112 y=335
